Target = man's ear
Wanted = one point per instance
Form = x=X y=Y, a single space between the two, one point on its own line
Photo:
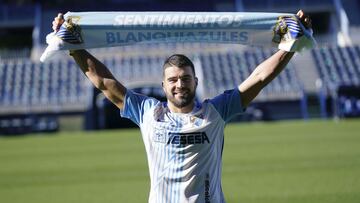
x=196 y=81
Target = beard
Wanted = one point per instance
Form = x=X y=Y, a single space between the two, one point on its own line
x=183 y=100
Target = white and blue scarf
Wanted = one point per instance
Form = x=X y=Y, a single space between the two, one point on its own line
x=83 y=30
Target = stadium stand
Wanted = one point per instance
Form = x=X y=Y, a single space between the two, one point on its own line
x=60 y=87
x=339 y=70
x=33 y=96
x=226 y=70
x=34 y=87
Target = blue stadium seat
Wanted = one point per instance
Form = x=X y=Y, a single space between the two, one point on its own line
x=338 y=66
x=60 y=85
x=227 y=70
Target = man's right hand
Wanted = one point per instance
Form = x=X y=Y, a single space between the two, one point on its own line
x=58 y=21
x=99 y=75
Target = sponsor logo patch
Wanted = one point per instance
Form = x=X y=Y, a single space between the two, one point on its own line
x=188 y=138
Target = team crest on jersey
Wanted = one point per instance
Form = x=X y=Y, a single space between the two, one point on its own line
x=159 y=135
x=196 y=121
x=192 y=119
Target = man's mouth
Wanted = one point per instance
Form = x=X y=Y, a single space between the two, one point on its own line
x=180 y=93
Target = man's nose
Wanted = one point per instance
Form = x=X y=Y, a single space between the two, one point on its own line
x=179 y=83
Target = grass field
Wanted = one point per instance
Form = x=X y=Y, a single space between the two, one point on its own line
x=279 y=162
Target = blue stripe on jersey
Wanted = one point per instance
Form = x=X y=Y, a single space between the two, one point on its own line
x=181 y=169
x=163 y=159
x=170 y=175
x=179 y=180
x=155 y=167
x=161 y=169
x=168 y=152
x=181 y=160
x=164 y=172
x=174 y=172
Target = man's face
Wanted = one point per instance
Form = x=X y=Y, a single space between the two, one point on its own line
x=179 y=85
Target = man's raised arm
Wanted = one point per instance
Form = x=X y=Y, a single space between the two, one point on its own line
x=267 y=70
x=97 y=72
x=100 y=76
x=262 y=75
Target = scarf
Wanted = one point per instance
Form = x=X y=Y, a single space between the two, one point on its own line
x=84 y=30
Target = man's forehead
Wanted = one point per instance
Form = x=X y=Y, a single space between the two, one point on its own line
x=174 y=71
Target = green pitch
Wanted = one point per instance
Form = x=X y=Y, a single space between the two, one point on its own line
x=280 y=162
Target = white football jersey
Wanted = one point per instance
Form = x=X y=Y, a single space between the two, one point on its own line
x=184 y=151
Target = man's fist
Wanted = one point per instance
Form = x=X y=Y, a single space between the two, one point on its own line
x=58 y=21
x=305 y=19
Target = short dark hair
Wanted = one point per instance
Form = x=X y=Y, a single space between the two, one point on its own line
x=178 y=60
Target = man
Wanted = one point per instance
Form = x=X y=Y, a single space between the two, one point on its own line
x=183 y=139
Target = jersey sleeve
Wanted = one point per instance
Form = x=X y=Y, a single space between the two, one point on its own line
x=135 y=106
x=228 y=104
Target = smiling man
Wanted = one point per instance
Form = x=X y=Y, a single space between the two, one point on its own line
x=179 y=83
x=183 y=138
